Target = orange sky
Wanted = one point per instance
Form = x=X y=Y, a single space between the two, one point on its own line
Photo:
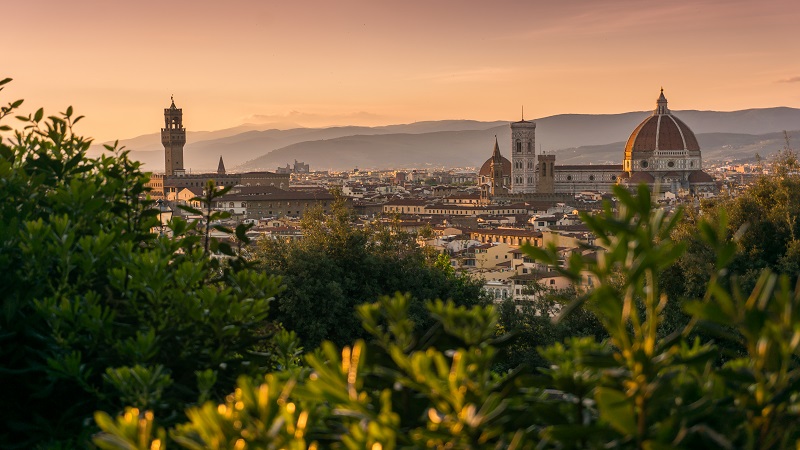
x=378 y=62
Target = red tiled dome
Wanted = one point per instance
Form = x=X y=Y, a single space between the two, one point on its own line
x=661 y=131
x=486 y=168
x=641 y=177
x=698 y=176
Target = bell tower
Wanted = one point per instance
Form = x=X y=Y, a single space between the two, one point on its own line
x=523 y=156
x=173 y=137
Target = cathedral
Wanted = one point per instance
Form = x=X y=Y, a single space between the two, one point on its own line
x=662 y=152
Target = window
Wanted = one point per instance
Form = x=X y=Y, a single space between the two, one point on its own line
x=529 y=147
x=569 y=177
x=552 y=281
x=519 y=147
x=544 y=169
x=671 y=164
x=644 y=163
x=591 y=177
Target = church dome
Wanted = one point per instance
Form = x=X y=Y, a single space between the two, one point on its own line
x=661 y=131
x=486 y=168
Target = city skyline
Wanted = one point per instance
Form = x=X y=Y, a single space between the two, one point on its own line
x=367 y=63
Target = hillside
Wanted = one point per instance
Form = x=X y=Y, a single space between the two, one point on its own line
x=576 y=138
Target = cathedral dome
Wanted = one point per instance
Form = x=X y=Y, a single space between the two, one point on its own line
x=661 y=131
x=486 y=168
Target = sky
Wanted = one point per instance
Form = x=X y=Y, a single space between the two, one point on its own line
x=375 y=62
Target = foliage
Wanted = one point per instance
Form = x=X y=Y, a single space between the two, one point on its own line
x=338 y=265
x=98 y=311
x=639 y=389
x=531 y=325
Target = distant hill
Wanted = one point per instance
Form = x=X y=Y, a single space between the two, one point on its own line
x=717 y=147
x=575 y=138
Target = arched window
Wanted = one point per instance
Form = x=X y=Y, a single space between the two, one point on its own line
x=519 y=147
x=230 y=205
x=529 y=147
x=544 y=169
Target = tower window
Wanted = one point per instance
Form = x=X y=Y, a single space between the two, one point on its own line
x=529 y=147
x=544 y=169
x=519 y=147
x=591 y=177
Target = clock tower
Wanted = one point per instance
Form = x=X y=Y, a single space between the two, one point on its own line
x=173 y=137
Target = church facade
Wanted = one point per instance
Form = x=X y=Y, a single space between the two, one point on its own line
x=661 y=152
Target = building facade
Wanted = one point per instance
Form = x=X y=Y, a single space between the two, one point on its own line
x=662 y=152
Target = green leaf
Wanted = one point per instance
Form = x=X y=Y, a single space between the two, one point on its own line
x=39 y=114
x=616 y=409
x=189 y=209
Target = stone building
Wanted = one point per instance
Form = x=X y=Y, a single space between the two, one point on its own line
x=662 y=152
x=523 y=157
x=175 y=177
x=173 y=137
x=276 y=203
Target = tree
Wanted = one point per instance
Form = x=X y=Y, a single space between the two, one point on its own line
x=436 y=389
x=337 y=265
x=98 y=311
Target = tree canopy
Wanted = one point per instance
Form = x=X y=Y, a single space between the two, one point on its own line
x=339 y=265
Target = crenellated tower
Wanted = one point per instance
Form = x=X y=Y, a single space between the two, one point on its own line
x=173 y=137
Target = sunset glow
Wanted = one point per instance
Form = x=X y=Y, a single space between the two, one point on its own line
x=316 y=63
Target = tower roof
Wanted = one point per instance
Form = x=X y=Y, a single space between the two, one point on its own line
x=496 y=152
x=172 y=99
x=661 y=131
x=221 y=166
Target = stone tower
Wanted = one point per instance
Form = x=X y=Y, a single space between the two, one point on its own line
x=496 y=187
x=173 y=137
x=547 y=178
x=523 y=157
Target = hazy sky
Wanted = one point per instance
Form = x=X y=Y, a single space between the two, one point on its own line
x=378 y=62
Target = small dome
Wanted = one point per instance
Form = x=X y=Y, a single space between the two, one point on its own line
x=698 y=176
x=641 y=177
x=486 y=168
x=661 y=131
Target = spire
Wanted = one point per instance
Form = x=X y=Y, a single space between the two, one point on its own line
x=496 y=153
x=523 y=113
x=172 y=99
x=221 y=167
x=661 y=104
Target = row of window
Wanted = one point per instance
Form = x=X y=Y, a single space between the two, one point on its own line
x=519 y=147
x=519 y=180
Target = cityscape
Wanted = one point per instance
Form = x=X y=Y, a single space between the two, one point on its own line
x=363 y=225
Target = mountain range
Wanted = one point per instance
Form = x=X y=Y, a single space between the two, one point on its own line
x=574 y=138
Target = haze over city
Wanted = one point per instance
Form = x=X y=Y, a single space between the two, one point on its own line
x=319 y=63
